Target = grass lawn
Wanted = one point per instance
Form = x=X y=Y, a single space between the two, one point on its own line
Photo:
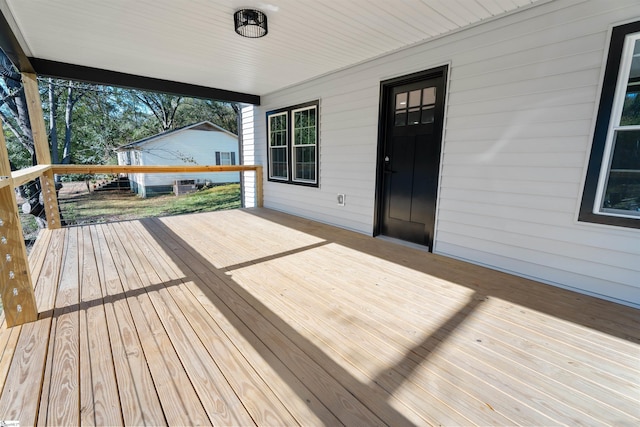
x=97 y=207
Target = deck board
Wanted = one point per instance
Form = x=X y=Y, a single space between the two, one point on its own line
x=227 y=303
x=255 y=317
x=64 y=390
x=138 y=397
x=100 y=404
x=179 y=401
x=220 y=401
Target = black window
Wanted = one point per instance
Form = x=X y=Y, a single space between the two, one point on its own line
x=612 y=186
x=292 y=142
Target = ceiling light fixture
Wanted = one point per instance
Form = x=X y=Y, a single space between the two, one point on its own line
x=250 y=23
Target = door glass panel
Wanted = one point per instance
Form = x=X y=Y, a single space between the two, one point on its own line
x=401 y=118
x=414 y=98
x=427 y=115
x=414 y=116
x=429 y=96
x=401 y=101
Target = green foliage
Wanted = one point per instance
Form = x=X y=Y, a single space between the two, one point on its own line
x=97 y=119
x=631 y=109
x=20 y=158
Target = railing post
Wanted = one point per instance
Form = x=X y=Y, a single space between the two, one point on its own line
x=16 y=288
x=259 y=197
x=41 y=145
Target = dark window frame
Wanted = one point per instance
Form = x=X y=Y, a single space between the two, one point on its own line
x=603 y=119
x=289 y=144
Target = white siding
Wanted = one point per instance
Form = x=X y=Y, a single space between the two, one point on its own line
x=522 y=98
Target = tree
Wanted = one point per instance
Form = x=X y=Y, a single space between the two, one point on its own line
x=223 y=114
x=74 y=93
x=53 y=115
x=13 y=105
x=164 y=107
x=15 y=115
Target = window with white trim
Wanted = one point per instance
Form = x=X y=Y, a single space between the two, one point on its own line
x=612 y=187
x=305 y=141
x=224 y=158
x=292 y=135
x=278 y=156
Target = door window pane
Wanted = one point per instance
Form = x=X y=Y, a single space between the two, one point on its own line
x=414 y=116
x=427 y=115
x=408 y=107
x=414 y=98
x=401 y=101
x=401 y=118
x=429 y=96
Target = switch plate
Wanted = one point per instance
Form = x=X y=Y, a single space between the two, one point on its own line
x=341 y=199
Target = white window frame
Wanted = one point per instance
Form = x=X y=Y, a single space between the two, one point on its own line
x=289 y=114
x=294 y=146
x=225 y=162
x=614 y=126
x=278 y=147
x=610 y=105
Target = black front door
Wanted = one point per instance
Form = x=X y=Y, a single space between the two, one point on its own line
x=410 y=160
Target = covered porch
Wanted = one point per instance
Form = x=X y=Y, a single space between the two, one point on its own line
x=257 y=317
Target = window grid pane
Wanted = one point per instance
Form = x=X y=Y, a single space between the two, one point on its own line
x=278 y=130
x=278 y=160
x=305 y=164
x=304 y=142
x=622 y=191
x=631 y=103
x=225 y=158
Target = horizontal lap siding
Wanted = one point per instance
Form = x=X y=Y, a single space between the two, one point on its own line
x=519 y=124
x=348 y=147
x=522 y=97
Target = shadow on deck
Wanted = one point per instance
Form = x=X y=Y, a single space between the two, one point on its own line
x=256 y=317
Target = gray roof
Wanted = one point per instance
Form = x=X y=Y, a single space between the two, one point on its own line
x=205 y=125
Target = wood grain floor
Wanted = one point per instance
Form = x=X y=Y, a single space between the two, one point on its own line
x=254 y=317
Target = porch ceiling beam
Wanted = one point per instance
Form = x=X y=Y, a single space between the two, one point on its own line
x=25 y=64
x=62 y=70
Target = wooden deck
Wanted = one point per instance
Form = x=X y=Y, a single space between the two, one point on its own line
x=254 y=317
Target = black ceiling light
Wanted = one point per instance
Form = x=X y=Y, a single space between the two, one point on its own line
x=250 y=23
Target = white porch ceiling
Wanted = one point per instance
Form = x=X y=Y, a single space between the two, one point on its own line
x=193 y=41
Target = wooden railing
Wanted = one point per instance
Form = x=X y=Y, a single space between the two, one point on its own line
x=16 y=287
x=122 y=169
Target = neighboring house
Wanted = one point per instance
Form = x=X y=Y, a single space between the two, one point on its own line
x=198 y=144
x=491 y=153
